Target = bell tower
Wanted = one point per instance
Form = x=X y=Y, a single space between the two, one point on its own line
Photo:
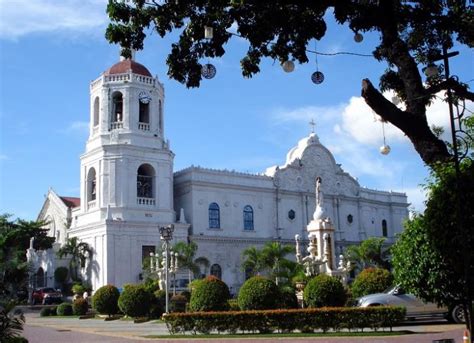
x=126 y=185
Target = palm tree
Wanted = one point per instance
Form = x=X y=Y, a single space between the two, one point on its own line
x=252 y=260
x=370 y=253
x=11 y=322
x=274 y=258
x=186 y=253
x=79 y=251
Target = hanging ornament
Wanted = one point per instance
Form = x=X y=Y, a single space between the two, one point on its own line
x=385 y=148
x=317 y=77
x=395 y=100
x=208 y=71
x=431 y=70
x=358 y=37
x=208 y=32
x=288 y=66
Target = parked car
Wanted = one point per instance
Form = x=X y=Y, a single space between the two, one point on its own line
x=415 y=307
x=47 y=295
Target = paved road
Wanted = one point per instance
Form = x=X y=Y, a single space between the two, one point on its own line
x=72 y=330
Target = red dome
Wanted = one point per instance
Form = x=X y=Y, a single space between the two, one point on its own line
x=125 y=66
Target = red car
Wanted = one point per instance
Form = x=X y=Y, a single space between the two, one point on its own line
x=46 y=295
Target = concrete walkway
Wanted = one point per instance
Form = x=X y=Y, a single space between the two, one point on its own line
x=52 y=329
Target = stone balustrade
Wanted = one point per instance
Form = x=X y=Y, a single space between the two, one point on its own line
x=146 y=201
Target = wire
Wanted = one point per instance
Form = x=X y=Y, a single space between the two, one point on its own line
x=318 y=52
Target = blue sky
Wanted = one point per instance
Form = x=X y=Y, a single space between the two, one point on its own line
x=51 y=50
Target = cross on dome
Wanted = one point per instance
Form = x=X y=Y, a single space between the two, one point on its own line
x=312 y=124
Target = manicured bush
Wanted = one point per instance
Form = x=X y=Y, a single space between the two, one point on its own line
x=371 y=280
x=258 y=293
x=305 y=320
x=324 y=290
x=233 y=305
x=105 y=300
x=45 y=312
x=178 y=303
x=64 y=309
x=287 y=298
x=210 y=294
x=158 y=304
x=78 y=288
x=53 y=311
x=61 y=274
x=186 y=294
x=135 y=301
x=80 y=307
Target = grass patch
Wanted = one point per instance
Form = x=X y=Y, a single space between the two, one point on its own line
x=289 y=335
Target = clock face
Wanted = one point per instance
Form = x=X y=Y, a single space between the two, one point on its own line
x=144 y=97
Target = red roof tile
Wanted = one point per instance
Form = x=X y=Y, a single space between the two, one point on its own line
x=71 y=201
x=125 y=66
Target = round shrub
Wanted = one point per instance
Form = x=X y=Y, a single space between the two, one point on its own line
x=210 y=294
x=60 y=274
x=371 y=280
x=45 y=312
x=105 y=300
x=324 y=290
x=78 y=288
x=64 y=309
x=80 y=307
x=158 y=304
x=288 y=298
x=53 y=311
x=178 y=303
x=135 y=301
x=258 y=293
x=186 y=294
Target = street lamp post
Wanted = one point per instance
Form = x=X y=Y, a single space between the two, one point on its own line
x=166 y=235
x=455 y=130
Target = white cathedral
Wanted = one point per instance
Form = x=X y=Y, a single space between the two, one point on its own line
x=128 y=189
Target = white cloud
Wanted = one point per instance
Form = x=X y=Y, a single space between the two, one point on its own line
x=22 y=17
x=320 y=114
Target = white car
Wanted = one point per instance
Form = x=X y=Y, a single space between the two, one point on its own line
x=415 y=307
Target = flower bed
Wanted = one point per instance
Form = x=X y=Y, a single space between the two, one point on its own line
x=304 y=320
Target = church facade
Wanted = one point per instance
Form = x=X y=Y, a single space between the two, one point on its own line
x=128 y=189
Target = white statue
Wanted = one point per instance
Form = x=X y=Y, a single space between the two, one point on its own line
x=32 y=239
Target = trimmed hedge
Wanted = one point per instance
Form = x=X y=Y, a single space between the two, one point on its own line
x=288 y=298
x=258 y=293
x=105 y=300
x=45 y=312
x=158 y=304
x=304 y=320
x=80 y=306
x=324 y=290
x=135 y=301
x=64 y=309
x=370 y=281
x=210 y=294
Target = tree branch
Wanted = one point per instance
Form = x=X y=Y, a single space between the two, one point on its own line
x=415 y=126
x=459 y=89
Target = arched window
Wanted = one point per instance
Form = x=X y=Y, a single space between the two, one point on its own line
x=144 y=113
x=96 y=111
x=160 y=114
x=117 y=107
x=248 y=218
x=91 y=185
x=216 y=270
x=384 y=228
x=145 y=176
x=214 y=216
